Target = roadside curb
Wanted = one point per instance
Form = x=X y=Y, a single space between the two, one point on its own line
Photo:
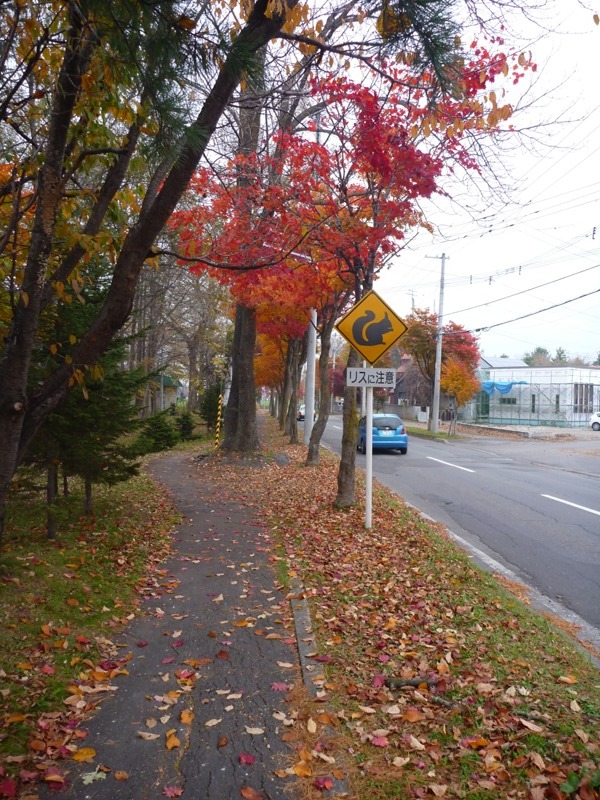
x=305 y=639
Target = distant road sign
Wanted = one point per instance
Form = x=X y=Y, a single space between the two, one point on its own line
x=371 y=327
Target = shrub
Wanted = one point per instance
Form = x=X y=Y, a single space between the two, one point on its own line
x=158 y=434
x=185 y=425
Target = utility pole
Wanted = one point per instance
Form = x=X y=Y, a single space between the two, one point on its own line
x=435 y=408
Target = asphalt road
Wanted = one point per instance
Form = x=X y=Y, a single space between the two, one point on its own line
x=531 y=506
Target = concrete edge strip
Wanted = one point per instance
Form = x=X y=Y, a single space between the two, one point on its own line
x=306 y=640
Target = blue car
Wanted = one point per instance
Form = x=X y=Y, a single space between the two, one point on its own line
x=389 y=433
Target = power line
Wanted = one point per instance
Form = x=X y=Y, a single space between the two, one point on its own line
x=533 y=313
x=524 y=291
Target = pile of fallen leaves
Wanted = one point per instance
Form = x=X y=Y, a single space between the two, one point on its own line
x=436 y=681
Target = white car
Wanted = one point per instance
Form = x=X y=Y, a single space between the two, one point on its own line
x=595 y=421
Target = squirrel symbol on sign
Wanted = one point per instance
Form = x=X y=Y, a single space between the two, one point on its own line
x=367 y=331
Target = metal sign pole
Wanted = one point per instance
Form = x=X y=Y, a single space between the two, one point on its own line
x=369 y=464
x=363 y=397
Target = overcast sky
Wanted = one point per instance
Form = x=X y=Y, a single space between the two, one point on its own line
x=545 y=234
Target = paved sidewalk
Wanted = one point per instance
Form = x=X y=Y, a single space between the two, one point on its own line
x=213 y=645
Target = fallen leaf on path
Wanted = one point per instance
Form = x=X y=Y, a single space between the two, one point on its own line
x=212 y=722
x=14 y=718
x=172 y=791
x=254 y=731
x=148 y=736
x=415 y=743
x=251 y=794
x=91 y=777
x=411 y=715
x=379 y=741
x=532 y=726
x=85 y=754
x=54 y=776
x=246 y=759
x=439 y=790
x=568 y=679
x=171 y=740
x=197 y=662
x=302 y=769
x=8 y=788
x=186 y=716
x=121 y=775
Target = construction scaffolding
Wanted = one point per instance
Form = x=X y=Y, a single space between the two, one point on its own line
x=535 y=403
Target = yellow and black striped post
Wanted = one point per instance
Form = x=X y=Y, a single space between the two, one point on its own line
x=218 y=425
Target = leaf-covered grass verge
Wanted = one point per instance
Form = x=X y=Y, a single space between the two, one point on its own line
x=441 y=682
x=61 y=603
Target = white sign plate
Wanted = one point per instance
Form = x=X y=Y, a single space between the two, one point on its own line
x=359 y=376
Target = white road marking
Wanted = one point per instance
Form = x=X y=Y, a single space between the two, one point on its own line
x=567 y=503
x=448 y=464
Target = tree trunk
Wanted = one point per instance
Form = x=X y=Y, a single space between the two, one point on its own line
x=314 y=446
x=272 y=403
x=230 y=414
x=193 y=374
x=88 y=508
x=52 y=478
x=240 y=430
x=293 y=366
x=346 y=473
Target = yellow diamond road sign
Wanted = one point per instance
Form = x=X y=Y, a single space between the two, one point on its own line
x=371 y=327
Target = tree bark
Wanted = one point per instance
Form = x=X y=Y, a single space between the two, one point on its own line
x=314 y=445
x=52 y=476
x=193 y=374
x=347 y=469
x=241 y=434
x=294 y=367
x=286 y=392
x=87 y=499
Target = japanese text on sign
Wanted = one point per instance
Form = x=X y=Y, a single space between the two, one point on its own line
x=356 y=376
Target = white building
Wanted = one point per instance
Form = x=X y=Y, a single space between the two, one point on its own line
x=516 y=394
